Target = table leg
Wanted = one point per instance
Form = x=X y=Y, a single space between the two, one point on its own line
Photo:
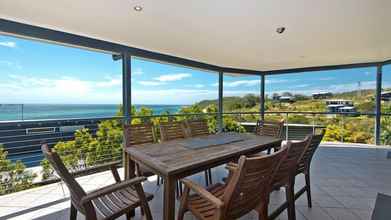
x=169 y=198
x=129 y=167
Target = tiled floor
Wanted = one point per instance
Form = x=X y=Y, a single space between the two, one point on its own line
x=345 y=182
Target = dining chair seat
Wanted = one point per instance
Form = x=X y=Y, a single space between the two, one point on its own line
x=113 y=205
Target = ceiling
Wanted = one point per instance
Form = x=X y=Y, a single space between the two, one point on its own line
x=228 y=33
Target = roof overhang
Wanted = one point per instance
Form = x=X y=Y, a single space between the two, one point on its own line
x=224 y=35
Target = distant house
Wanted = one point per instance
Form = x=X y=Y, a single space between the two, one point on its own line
x=339 y=102
x=289 y=99
x=386 y=96
x=322 y=95
x=340 y=106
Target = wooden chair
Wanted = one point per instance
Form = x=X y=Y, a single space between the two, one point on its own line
x=270 y=128
x=199 y=128
x=247 y=188
x=140 y=134
x=109 y=202
x=172 y=130
x=304 y=165
x=285 y=175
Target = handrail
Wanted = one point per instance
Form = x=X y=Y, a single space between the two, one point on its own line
x=34 y=121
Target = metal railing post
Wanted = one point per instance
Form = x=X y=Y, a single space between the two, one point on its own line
x=287 y=127
x=262 y=98
x=220 y=103
x=378 y=104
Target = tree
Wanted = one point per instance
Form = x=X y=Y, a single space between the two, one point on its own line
x=250 y=100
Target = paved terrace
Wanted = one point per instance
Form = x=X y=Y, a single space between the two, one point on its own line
x=345 y=182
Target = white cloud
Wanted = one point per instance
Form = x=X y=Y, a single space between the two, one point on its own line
x=10 y=64
x=9 y=44
x=253 y=82
x=150 y=83
x=301 y=86
x=172 y=77
x=199 y=86
x=215 y=84
x=30 y=89
x=117 y=81
x=137 y=72
x=326 y=78
x=172 y=96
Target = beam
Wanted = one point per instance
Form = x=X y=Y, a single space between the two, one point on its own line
x=22 y=30
x=378 y=104
x=220 y=103
x=49 y=35
x=322 y=68
x=387 y=62
x=262 y=98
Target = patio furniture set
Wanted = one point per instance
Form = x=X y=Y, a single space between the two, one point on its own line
x=256 y=162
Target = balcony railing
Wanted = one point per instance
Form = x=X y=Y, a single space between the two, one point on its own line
x=91 y=144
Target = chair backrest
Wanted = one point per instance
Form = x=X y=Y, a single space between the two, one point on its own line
x=139 y=134
x=74 y=188
x=270 y=128
x=172 y=130
x=305 y=161
x=197 y=127
x=287 y=168
x=250 y=183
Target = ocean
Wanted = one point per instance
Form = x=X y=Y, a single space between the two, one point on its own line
x=10 y=112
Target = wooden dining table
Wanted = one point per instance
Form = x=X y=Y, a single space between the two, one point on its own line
x=176 y=159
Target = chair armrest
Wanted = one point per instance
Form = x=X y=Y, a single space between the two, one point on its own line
x=231 y=166
x=203 y=193
x=114 y=171
x=111 y=188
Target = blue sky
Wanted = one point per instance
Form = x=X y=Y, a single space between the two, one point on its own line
x=35 y=72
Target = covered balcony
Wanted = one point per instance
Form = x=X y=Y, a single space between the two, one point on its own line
x=258 y=43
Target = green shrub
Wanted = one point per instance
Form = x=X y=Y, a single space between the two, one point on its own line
x=13 y=176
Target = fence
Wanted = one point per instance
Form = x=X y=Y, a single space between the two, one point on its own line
x=87 y=145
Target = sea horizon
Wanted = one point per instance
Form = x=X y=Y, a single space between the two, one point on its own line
x=10 y=112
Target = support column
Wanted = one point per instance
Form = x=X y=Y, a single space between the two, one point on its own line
x=220 y=103
x=378 y=103
x=126 y=104
x=262 y=98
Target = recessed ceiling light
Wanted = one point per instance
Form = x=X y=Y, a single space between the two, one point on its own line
x=138 y=8
x=280 y=30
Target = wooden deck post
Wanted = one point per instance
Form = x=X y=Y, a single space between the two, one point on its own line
x=262 y=98
x=220 y=103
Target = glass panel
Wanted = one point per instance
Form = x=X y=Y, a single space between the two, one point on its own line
x=47 y=81
x=339 y=100
x=241 y=101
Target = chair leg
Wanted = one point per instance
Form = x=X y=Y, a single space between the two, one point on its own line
x=73 y=214
x=179 y=189
x=210 y=176
x=206 y=178
x=263 y=211
x=182 y=207
x=290 y=198
x=128 y=216
x=308 y=188
x=158 y=181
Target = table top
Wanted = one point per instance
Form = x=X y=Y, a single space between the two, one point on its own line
x=176 y=156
